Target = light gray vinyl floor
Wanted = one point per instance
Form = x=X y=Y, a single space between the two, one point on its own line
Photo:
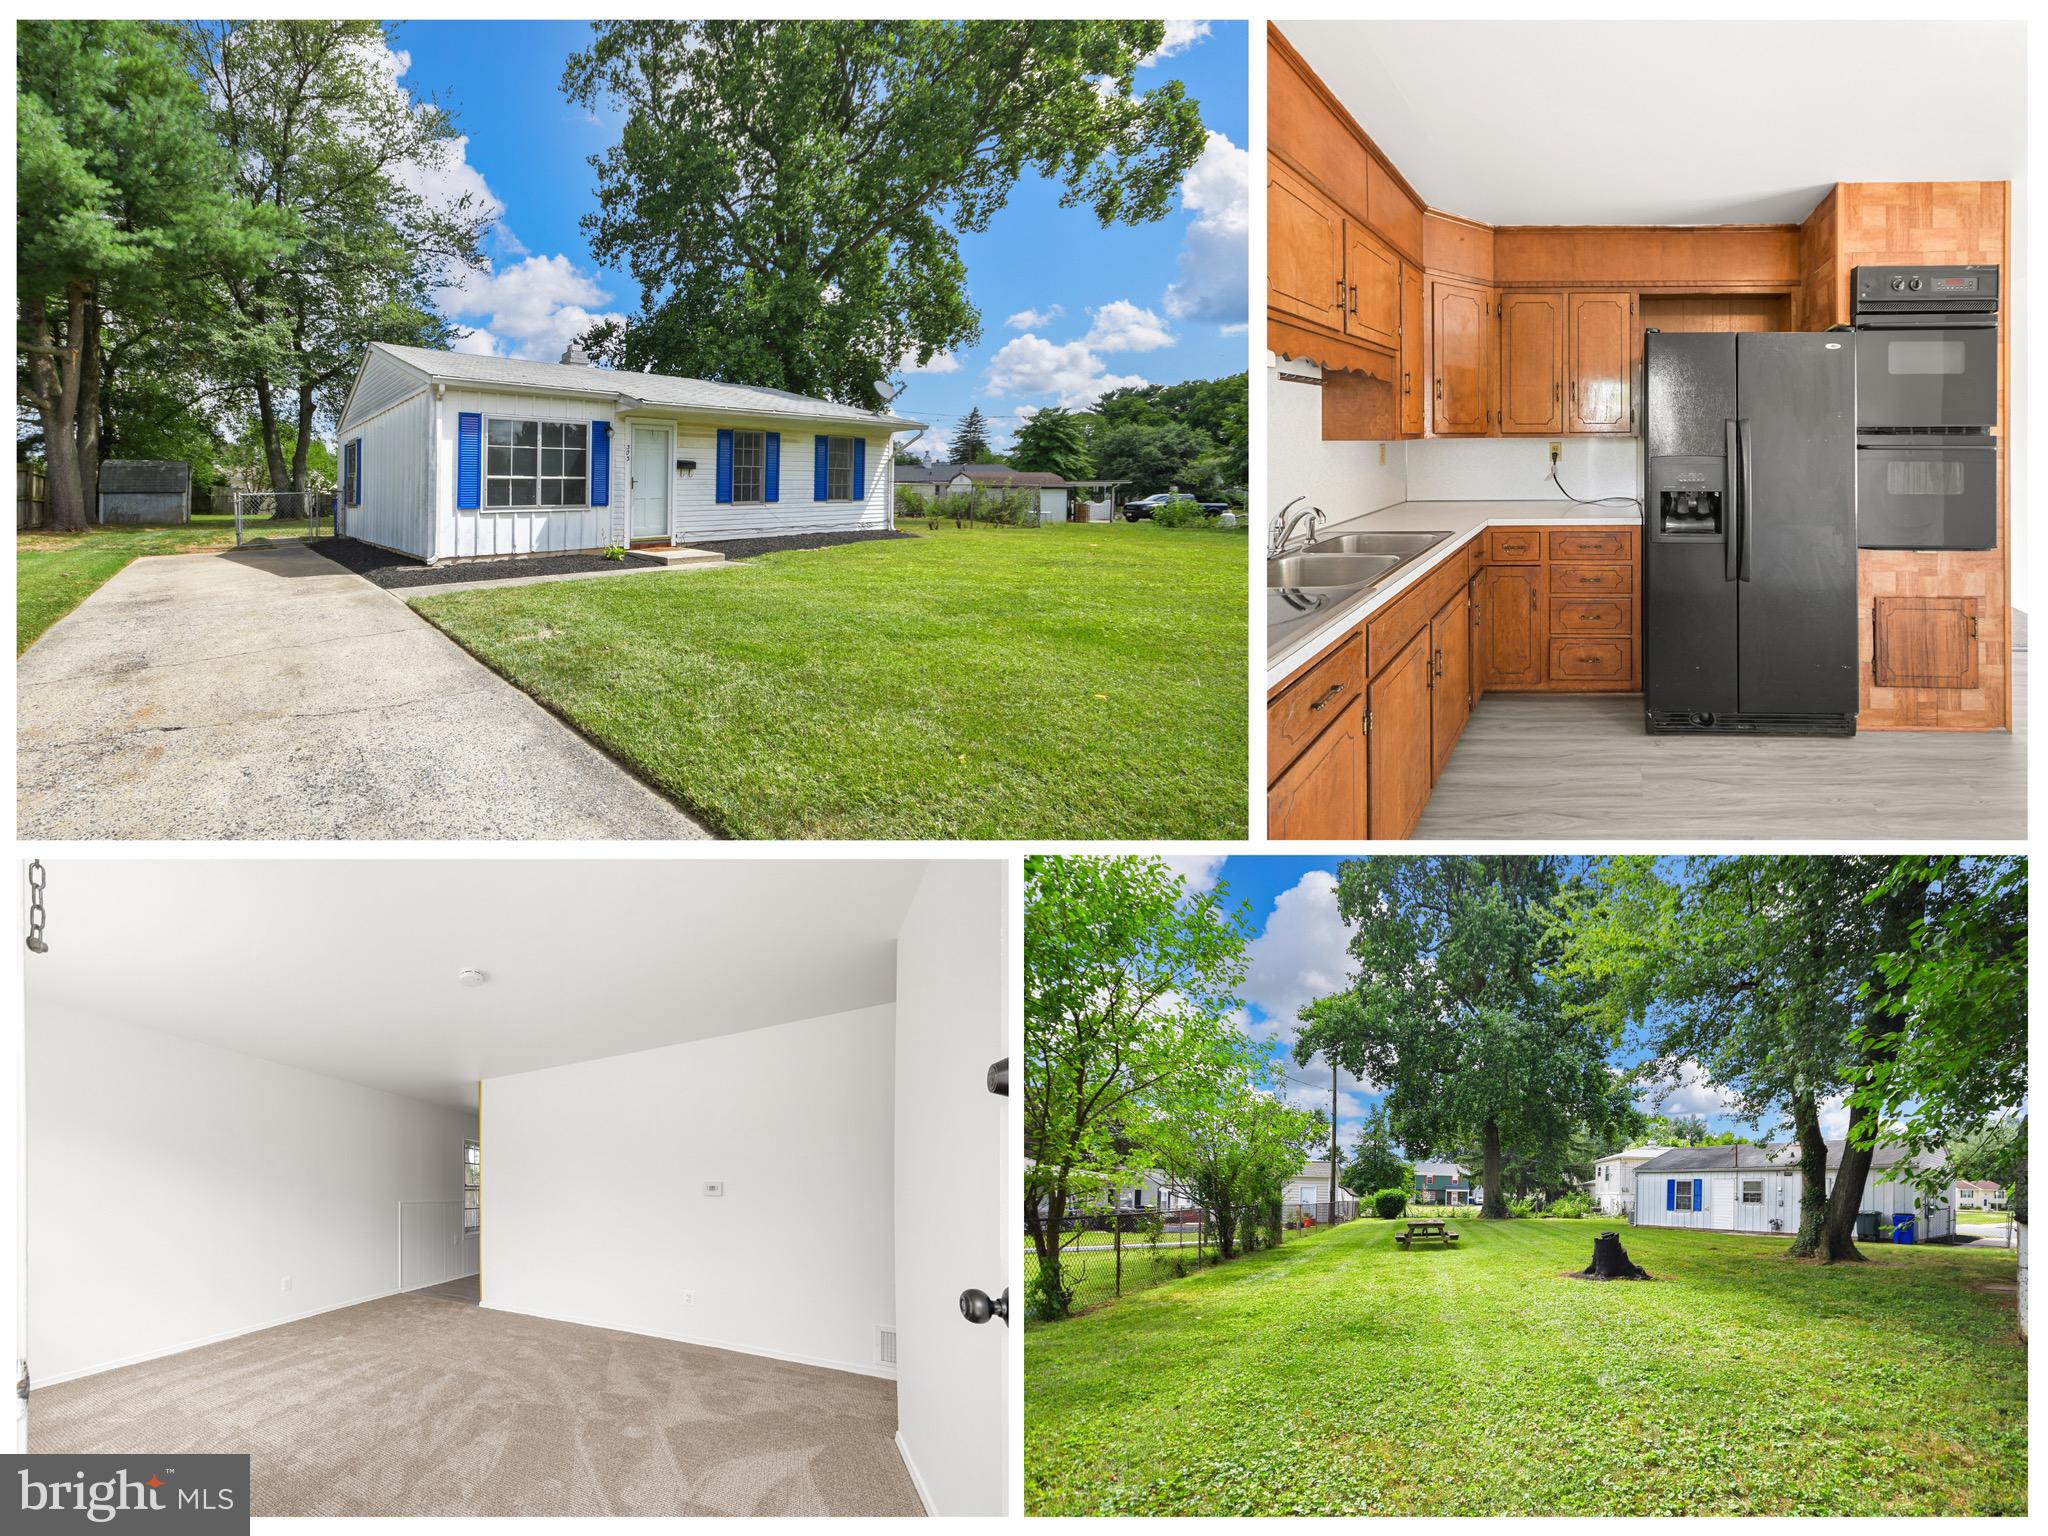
x=1533 y=766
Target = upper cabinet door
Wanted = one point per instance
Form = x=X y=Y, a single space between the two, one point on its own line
x=1413 y=382
x=1304 y=249
x=1532 y=363
x=1461 y=382
x=1602 y=347
x=1372 y=287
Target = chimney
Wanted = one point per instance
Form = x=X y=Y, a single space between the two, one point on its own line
x=576 y=357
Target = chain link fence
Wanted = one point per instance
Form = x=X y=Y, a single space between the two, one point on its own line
x=264 y=518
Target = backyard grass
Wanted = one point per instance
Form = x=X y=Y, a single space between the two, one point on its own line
x=55 y=572
x=1075 y=681
x=1341 y=1375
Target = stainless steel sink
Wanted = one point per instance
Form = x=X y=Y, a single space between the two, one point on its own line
x=1329 y=570
x=1406 y=545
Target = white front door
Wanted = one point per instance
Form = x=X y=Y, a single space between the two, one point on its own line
x=956 y=1202
x=650 y=483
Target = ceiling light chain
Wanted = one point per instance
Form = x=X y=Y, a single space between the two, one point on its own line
x=37 y=879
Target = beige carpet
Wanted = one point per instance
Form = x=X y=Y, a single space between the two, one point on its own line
x=427 y=1404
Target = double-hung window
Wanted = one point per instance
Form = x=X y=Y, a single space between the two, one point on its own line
x=1684 y=1202
x=472 y=1186
x=537 y=463
x=750 y=466
x=1752 y=1191
x=839 y=469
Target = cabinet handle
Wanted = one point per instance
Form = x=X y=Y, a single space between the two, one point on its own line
x=1340 y=295
x=1439 y=386
x=1354 y=298
x=1407 y=382
x=1335 y=689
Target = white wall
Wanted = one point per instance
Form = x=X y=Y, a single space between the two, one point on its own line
x=397 y=494
x=173 y=1186
x=594 y=1210
x=1518 y=468
x=469 y=531
x=1345 y=479
x=955 y=1206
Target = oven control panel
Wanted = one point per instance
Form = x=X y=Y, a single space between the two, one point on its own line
x=1932 y=286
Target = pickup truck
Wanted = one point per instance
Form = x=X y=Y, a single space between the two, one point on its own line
x=1145 y=506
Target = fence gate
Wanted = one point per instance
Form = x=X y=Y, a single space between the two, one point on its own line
x=267 y=518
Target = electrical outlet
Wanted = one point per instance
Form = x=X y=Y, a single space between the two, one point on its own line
x=713 y=1189
x=285 y=1284
x=1383 y=453
x=1556 y=452
x=688 y=1297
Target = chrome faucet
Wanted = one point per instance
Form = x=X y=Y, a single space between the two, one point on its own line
x=1283 y=525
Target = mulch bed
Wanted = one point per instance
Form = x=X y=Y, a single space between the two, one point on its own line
x=393 y=570
x=747 y=549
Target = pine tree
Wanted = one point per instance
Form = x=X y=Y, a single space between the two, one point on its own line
x=970 y=439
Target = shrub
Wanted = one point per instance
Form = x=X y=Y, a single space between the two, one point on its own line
x=1276 y=1217
x=1521 y=1207
x=1389 y=1203
x=1182 y=514
x=1574 y=1204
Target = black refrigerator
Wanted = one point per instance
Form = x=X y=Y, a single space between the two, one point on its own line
x=1749 y=552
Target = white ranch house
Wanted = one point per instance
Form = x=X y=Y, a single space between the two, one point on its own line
x=449 y=456
x=1613 y=1186
x=1756 y=1189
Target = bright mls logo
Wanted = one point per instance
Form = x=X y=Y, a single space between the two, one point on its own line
x=172 y=1495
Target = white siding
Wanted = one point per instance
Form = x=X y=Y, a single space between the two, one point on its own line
x=1052 y=506
x=467 y=532
x=384 y=382
x=1724 y=1211
x=395 y=510
x=698 y=514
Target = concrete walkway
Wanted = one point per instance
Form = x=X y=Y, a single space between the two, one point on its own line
x=272 y=694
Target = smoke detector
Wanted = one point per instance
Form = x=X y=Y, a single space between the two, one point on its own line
x=471 y=977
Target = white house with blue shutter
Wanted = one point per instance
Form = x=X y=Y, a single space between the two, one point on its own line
x=1756 y=1189
x=450 y=456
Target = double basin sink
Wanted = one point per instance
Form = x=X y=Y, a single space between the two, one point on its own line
x=1348 y=562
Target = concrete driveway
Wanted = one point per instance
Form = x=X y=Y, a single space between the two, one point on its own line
x=272 y=694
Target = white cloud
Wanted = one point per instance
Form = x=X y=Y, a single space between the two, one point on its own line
x=1033 y=319
x=1215 y=257
x=1301 y=954
x=1237 y=328
x=533 y=308
x=1121 y=326
x=478 y=342
x=1069 y=371
x=1687 y=1090
x=942 y=362
x=1834 y=1118
x=1198 y=869
x=1180 y=37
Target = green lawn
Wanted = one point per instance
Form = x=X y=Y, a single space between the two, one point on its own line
x=1340 y=1375
x=1075 y=681
x=1984 y=1218
x=55 y=572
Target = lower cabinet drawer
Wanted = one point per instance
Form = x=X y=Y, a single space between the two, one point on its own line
x=1322 y=795
x=1308 y=705
x=1566 y=580
x=1514 y=546
x=1591 y=615
x=1589 y=544
x=1592 y=659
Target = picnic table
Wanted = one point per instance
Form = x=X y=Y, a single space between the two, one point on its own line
x=1427 y=1230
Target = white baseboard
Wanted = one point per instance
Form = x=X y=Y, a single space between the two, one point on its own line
x=924 y=1494
x=218 y=1338
x=861 y=1368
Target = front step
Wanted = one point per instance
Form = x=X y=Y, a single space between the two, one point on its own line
x=679 y=554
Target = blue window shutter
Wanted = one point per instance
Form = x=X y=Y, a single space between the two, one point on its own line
x=1671 y=1194
x=359 y=471
x=821 y=473
x=771 y=466
x=725 y=463
x=469 y=458
x=600 y=463
x=860 y=469
x=1697 y=1203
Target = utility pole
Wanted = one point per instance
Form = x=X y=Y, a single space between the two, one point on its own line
x=1333 y=1140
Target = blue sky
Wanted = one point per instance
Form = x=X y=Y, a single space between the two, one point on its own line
x=1068 y=308
x=1298 y=953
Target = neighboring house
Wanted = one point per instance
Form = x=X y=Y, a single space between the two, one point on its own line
x=1978 y=1195
x=1439 y=1183
x=1613 y=1186
x=1756 y=1189
x=1311 y=1186
x=445 y=455
x=1132 y=1191
x=959 y=479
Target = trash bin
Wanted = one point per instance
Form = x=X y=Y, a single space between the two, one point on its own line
x=1902 y=1226
x=1866 y=1226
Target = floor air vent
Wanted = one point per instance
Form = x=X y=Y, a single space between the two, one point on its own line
x=885 y=1346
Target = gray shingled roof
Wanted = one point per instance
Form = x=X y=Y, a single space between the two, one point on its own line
x=656 y=389
x=1779 y=1154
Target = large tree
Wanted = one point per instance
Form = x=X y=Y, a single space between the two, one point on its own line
x=1376 y=1162
x=1130 y=1005
x=1452 y=1009
x=1055 y=441
x=790 y=195
x=970 y=439
x=1232 y=1146
x=123 y=210
x=317 y=127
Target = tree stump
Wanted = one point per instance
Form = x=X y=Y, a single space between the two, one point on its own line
x=1611 y=1261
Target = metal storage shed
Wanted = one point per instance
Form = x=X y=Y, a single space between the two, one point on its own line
x=145 y=491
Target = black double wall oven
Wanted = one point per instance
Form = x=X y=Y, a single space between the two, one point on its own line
x=1926 y=407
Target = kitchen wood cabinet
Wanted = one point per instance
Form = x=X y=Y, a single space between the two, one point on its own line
x=1399 y=760
x=1450 y=706
x=1516 y=627
x=1461 y=359
x=1414 y=323
x=1532 y=363
x=1475 y=593
x=1304 y=248
x=1323 y=794
x=1602 y=363
x=1372 y=288
x=1924 y=642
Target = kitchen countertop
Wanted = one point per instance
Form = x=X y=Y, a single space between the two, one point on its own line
x=1298 y=639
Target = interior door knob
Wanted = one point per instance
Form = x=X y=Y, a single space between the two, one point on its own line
x=979 y=1306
